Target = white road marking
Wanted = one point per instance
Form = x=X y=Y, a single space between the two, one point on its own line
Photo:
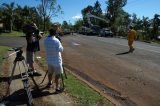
x=75 y=44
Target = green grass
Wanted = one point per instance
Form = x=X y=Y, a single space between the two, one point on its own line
x=83 y=94
x=13 y=33
x=79 y=91
x=157 y=41
x=3 y=50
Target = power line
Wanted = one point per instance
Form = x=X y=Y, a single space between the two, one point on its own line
x=133 y=3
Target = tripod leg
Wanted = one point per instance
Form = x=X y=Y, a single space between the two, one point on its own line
x=28 y=91
x=11 y=77
x=64 y=72
x=62 y=82
x=13 y=69
x=25 y=67
x=37 y=87
x=44 y=77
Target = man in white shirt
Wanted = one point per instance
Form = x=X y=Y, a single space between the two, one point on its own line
x=53 y=49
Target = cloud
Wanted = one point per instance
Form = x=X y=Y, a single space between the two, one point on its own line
x=79 y=16
x=103 y=12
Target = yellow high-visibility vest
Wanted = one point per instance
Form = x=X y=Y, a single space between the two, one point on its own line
x=132 y=35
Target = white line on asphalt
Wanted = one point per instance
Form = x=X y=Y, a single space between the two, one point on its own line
x=76 y=44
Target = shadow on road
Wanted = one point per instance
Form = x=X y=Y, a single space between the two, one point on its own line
x=123 y=53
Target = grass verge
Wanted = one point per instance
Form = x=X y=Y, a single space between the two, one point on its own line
x=3 y=50
x=83 y=94
x=13 y=33
x=157 y=41
x=3 y=71
x=80 y=91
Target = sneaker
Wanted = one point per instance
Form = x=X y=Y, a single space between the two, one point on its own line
x=59 y=90
x=30 y=72
x=35 y=73
x=132 y=50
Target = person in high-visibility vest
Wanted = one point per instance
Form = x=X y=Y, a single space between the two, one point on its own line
x=132 y=35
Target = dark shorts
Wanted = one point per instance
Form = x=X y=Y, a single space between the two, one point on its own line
x=30 y=57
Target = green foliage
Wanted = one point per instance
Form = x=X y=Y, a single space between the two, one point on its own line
x=97 y=9
x=13 y=33
x=78 y=24
x=156 y=25
x=84 y=11
x=65 y=25
x=8 y=10
x=48 y=9
x=14 y=17
x=3 y=50
x=115 y=13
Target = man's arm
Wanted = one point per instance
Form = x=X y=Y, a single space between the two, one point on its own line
x=60 y=47
x=40 y=35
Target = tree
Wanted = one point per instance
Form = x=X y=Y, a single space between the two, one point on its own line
x=18 y=21
x=114 y=8
x=78 y=24
x=145 y=24
x=65 y=25
x=84 y=11
x=48 y=9
x=8 y=11
x=156 y=24
x=97 y=9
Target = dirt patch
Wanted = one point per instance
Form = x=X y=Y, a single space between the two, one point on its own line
x=41 y=97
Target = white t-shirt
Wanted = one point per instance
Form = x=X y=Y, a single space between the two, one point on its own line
x=53 y=49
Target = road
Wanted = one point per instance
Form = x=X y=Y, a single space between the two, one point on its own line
x=135 y=77
x=129 y=78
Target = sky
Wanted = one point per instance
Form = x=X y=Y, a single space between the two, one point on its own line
x=72 y=8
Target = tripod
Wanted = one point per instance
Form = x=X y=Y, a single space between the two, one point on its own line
x=61 y=80
x=24 y=76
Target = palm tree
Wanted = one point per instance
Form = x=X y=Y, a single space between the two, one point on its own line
x=156 y=24
x=145 y=23
x=9 y=11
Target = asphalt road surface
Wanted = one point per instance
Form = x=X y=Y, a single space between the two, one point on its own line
x=129 y=78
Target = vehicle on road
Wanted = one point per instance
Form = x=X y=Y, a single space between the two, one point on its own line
x=66 y=31
x=95 y=29
x=105 y=32
x=82 y=30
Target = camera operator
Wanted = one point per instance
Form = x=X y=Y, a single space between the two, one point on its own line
x=32 y=37
x=57 y=26
x=53 y=53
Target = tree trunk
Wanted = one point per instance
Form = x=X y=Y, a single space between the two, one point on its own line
x=11 y=24
x=44 y=23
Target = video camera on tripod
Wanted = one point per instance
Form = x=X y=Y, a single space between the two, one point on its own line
x=18 y=51
x=23 y=70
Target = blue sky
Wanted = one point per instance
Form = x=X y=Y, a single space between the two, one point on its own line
x=72 y=8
